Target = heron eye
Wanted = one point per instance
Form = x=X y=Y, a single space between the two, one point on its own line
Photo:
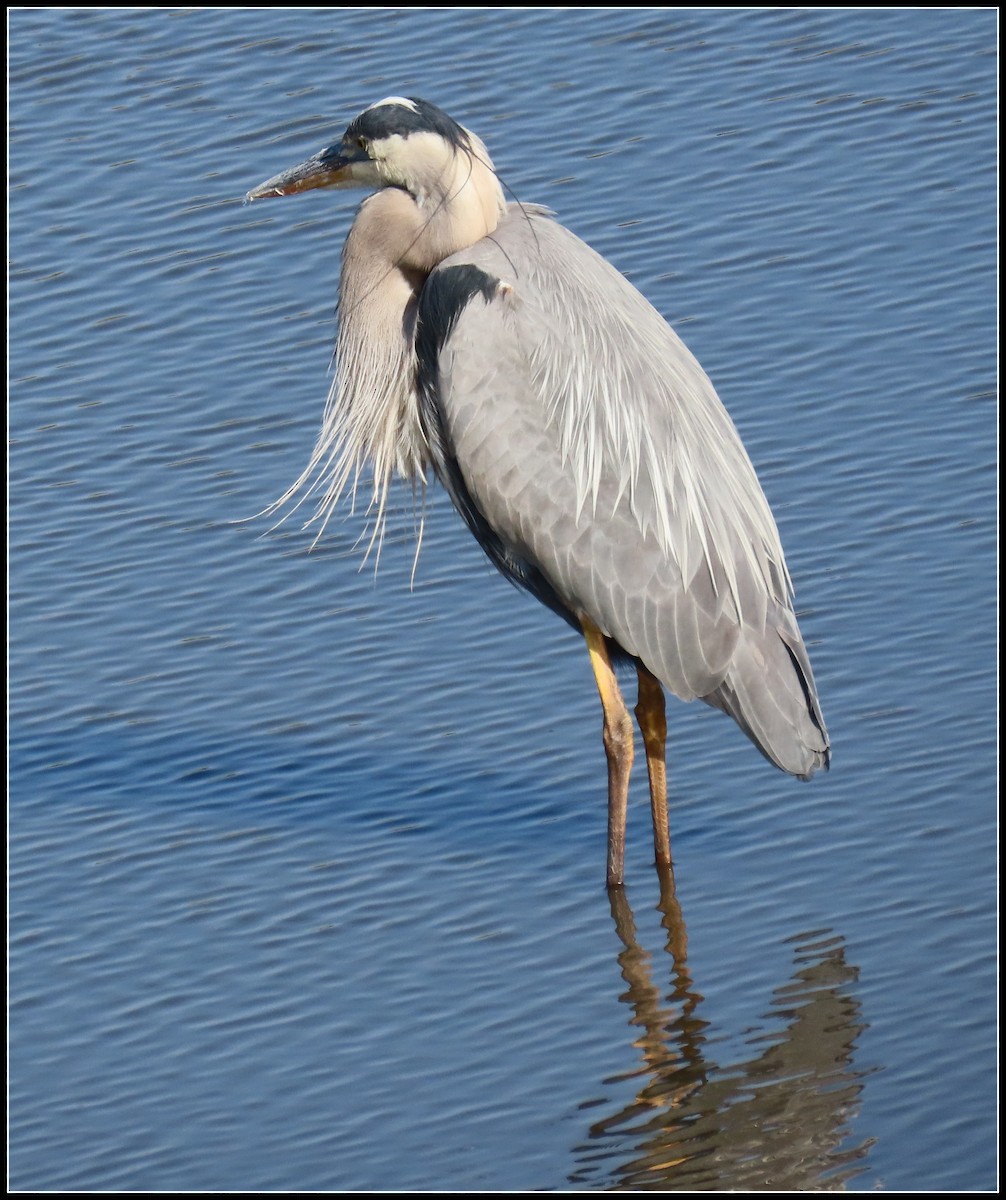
x=362 y=143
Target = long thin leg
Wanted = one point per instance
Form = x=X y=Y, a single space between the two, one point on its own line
x=617 y=746
x=653 y=726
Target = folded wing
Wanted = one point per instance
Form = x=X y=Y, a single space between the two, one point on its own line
x=588 y=451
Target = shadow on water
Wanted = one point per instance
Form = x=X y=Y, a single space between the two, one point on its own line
x=779 y=1121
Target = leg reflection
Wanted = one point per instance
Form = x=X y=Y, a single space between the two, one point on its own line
x=778 y=1120
x=670 y=1040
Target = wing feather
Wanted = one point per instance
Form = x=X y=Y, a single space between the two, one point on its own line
x=596 y=451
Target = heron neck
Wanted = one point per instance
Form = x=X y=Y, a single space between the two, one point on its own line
x=398 y=237
x=445 y=199
x=373 y=400
x=462 y=205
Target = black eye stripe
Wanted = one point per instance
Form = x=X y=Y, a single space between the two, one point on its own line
x=389 y=119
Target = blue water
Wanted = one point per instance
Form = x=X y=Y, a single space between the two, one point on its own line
x=306 y=864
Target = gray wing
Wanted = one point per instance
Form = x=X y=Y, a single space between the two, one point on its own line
x=587 y=449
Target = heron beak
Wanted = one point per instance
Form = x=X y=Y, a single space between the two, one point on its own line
x=333 y=167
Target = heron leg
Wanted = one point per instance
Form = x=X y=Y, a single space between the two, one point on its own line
x=617 y=746
x=653 y=726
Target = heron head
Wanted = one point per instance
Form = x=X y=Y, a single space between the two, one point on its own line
x=397 y=142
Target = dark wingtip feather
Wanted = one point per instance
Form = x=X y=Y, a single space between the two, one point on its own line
x=771 y=696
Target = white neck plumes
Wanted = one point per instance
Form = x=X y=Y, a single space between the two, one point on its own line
x=436 y=199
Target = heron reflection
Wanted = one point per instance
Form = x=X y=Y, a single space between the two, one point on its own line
x=779 y=1121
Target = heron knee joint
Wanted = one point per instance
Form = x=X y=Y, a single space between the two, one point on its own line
x=652 y=722
x=618 y=736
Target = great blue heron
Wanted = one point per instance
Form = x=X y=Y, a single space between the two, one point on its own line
x=579 y=439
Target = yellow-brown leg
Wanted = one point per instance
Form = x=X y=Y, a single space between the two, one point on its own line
x=617 y=747
x=653 y=726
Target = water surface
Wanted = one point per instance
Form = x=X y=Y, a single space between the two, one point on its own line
x=306 y=874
